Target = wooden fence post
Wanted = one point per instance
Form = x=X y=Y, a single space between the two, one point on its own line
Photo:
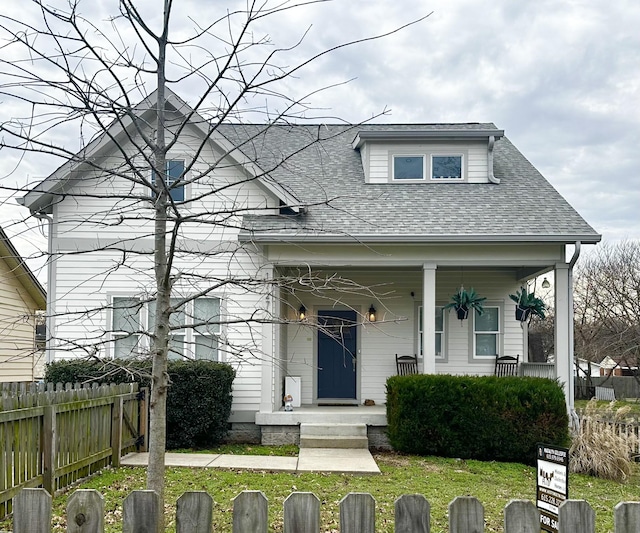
x=301 y=513
x=412 y=514
x=521 y=516
x=49 y=449
x=85 y=512
x=116 y=431
x=32 y=511
x=194 y=513
x=358 y=513
x=466 y=515
x=250 y=514
x=576 y=515
x=626 y=517
x=143 y=418
x=140 y=512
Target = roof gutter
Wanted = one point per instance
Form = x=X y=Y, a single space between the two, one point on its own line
x=50 y=287
x=492 y=178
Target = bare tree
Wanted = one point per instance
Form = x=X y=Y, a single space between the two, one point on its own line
x=607 y=305
x=115 y=81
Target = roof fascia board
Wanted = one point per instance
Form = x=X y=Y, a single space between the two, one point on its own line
x=424 y=135
x=418 y=239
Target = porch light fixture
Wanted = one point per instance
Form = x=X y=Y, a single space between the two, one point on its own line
x=372 y=314
x=545 y=283
x=302 y=312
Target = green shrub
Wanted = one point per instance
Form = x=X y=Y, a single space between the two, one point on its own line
x=475 y=417
x=198 y=401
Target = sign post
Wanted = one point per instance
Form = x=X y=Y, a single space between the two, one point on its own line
x=552 y=487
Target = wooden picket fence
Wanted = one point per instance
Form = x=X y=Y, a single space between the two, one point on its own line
x=53 y=435
x=194 y=511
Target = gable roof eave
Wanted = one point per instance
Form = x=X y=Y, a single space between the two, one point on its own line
x=23 y=273
x=40 y=197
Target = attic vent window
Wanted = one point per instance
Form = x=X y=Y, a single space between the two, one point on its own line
x=446 y=167
x=408 y=167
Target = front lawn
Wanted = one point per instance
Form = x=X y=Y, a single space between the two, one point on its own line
x=440 y=480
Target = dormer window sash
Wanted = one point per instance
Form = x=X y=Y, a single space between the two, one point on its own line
x=408 y=167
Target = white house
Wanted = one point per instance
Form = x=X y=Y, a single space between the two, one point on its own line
x=331 y=220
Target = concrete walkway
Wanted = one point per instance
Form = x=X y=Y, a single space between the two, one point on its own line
x=338 y=460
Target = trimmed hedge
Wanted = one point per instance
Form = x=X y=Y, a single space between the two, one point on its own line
x=475 y=417
x=198 y=401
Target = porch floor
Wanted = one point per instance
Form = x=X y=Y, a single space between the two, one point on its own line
x=374 y=415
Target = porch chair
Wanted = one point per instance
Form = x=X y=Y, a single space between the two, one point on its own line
x=406 y=365
x=506 y=365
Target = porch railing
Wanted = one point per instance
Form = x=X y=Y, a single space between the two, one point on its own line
x=538 y=370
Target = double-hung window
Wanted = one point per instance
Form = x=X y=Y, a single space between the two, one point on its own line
x=439 y=329
x=125 y=326
x=486 y=332
x=174 y=176
x=206 y=320
x=195 y=327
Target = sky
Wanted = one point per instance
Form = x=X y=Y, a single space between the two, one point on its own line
x=561 y=78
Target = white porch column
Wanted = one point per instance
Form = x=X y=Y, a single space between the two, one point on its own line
x=563 y=331
x=429 y=318
x=266 y=377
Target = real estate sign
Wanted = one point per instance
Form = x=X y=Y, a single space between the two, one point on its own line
x=552 y=485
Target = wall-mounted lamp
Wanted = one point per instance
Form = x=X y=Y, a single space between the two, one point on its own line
x=545 y=283
x=302 y=312
x=372 y=314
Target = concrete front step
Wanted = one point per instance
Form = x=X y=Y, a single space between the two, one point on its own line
x=339 y=430
x=333 y=436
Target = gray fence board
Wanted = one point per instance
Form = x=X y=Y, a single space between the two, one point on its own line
x=250 y=513
x=140 y=512
x=302 y=513
x=32 y=511
x=466 y=515
x=576 y=515
x=194 y=513
x=521 y=516
x=358 y=513
x=85 y=512
x=413 y=514
x=626 y=517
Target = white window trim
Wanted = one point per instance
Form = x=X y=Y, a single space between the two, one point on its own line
x=499 y=334
x=418 y=338
x=188 y=332
x=408 y=180
x=186 y=186
x=463 y=170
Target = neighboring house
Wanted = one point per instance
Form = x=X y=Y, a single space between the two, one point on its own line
x=584 y=367
x=618 y=366
x=391 y=219
x=21 y=297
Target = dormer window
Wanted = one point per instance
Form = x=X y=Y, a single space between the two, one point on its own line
x=446 y=167
x=408 y=167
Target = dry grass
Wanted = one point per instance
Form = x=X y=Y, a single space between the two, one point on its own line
x=597 y=449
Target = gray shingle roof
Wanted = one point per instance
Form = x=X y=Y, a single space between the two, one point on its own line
x=329 y=178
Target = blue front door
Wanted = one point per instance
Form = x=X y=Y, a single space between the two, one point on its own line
x=337 y=355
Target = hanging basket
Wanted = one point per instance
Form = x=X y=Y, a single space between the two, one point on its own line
x=522 y=313
x=462 y=312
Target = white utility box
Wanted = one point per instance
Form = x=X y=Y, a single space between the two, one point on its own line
x=293 y=386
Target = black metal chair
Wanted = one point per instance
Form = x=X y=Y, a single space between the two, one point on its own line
x=406 y=365
x=506 y=365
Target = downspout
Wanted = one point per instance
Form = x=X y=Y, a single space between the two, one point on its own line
x=574 y=421
x=50 y=287
x=492 y=178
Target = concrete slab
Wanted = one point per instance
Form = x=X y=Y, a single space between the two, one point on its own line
x=256 y=462
x=343 y=460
